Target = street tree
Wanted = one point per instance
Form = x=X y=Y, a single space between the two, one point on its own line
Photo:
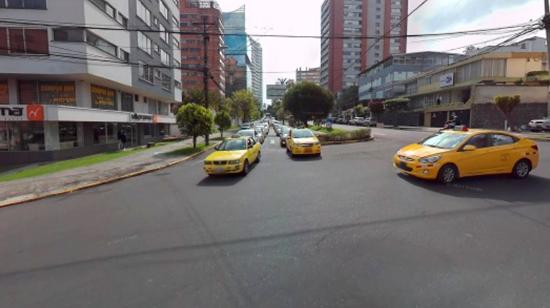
x=360 y=110
x=308 y=101
x=507 y=104
x=223 y=121
x=396 y=104
x=196 y=96
x=349 y=97
x=246 y=105
x=194 y=120
x=376 y=108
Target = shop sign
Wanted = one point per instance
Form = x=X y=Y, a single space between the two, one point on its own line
x=103 y=98
x=141 y=118
x=22 y=113
x=446 y=80
x=57 y=93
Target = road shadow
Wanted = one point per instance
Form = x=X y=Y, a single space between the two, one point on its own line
x=224 y=179
x=534 y=189
x=311 y=157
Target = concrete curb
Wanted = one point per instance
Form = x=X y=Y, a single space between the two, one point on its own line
x=34 y=197
x=346 y=141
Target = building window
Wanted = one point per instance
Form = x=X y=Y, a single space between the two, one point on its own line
x=103 y=98
x=156 y=48
x=100 y=134
x=164 y=57
x=143 y=13
x=68 y=35
x=163 y=34
x=144 y=42
x=101 y=44
x=23 y=4
x=105 y=7
x=127 y=102
x=175 y=22
x=175 y=41
x=166 y=82
x=146 y=72
x=47 y=92
x=122 y=20
x=163 y=10
x=124 y=56
x=68 y=136
x=23 y=41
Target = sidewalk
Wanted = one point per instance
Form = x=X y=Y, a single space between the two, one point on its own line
x=74 y=179
x=530 y=135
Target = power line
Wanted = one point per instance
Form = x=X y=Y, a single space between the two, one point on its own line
x=364 y=52
x=343 y=37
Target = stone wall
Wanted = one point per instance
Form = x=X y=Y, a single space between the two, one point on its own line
x=489 y=116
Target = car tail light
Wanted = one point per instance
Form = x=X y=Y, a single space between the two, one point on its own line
x=535 y=147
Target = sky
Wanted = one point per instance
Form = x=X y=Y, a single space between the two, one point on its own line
x=282 y=56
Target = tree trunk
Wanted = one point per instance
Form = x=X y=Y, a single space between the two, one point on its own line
x=221 y=133
x=194 y=141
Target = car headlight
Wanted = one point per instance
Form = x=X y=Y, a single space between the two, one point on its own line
x=235 y=162
x=430 y=160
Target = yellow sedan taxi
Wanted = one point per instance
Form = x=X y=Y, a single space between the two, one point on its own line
x=449 y=155
x=302 y=142
x=233 y=155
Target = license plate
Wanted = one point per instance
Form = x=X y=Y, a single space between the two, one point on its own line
x=307 y=150
x=219 y=170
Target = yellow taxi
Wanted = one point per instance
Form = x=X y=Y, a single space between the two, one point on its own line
x=449 y=155
x=234 y=155
x=302 y=142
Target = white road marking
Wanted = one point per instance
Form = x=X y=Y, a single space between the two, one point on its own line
x=272 y=141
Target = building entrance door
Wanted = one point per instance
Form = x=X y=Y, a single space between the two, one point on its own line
x=131 y=133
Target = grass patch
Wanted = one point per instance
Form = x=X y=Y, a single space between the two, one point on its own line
x=187 y=150
x=325 y=130
x=66 y=165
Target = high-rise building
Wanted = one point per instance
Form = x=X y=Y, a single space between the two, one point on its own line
x=238 y=52
x=72 y=91
x=343 y=59
x=257 y=71
x=312 y=75
x=195 y=16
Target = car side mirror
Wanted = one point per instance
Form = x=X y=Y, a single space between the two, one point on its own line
x=217 y=147
x=469 y=148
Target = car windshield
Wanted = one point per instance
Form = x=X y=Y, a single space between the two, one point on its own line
x=233 y=145
x=444 y=140
x=302 y=134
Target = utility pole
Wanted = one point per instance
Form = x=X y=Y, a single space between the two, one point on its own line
x=206 y=70
x=546 y=21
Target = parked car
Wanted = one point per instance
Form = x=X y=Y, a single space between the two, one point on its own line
x=234 y=155
x=452 y=154
x=356 y=121
x=367 y=122
x=539 y=125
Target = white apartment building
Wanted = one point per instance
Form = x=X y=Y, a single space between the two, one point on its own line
x=70 y=87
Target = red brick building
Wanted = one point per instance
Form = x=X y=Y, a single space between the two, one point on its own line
x=193 y=13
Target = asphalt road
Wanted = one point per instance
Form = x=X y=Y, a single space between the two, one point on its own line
x=341 y=231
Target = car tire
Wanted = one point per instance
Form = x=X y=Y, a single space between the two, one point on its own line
x=447 y=174
x=521 y=169
x=259 y=157
x=246 y=168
